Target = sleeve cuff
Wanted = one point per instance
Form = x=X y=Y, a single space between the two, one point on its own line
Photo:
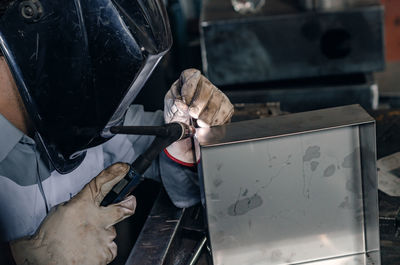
x=179 y=161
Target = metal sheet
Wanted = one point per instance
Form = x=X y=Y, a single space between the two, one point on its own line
x=283 y=125
x=296 y=195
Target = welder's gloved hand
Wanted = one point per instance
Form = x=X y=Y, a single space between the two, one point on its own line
x=193 y=96
x=79 y=231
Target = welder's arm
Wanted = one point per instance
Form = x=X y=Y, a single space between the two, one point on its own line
x=79 y=231
x=180 y=182
x=190 y=97
x=193 y=96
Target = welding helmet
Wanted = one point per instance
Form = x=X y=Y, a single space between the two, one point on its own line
x=79 y=64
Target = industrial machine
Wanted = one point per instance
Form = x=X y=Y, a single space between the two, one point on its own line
x=324 y=47
x=285 y=41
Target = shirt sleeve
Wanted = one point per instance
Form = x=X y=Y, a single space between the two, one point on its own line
x=180 y=182
x=126 y=148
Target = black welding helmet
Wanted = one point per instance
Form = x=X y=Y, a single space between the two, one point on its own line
x=79 y=64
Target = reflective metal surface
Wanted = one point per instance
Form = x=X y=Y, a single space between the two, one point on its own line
x=171 y=236
x=283 y=125
x=299 y=188
x=154 y=241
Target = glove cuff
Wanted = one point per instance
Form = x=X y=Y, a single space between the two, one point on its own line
x=187 y=164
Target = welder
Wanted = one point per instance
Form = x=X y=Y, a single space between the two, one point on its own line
x=69 y=71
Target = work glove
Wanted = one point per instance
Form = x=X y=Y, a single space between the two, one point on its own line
x=193 y=96
x=79 y=231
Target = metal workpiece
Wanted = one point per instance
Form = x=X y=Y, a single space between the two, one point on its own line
x=284 y=41
x=154 y=242
x=297 y=123
x=171 y=236
x=295 y=189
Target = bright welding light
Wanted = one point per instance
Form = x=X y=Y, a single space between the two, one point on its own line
x=201 y=133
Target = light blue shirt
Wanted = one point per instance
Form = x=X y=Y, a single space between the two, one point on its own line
x=29 y=186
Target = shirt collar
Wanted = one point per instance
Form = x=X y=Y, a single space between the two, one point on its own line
x=9 y=137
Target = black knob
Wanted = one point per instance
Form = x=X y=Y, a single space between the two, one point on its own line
x=31 y=10
x=336 y=43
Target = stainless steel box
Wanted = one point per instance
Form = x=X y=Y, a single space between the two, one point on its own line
x=283 y=41
x=294 y=189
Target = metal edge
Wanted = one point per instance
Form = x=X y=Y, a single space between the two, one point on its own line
x=143 y=252
x=219 y=134
x=370 y=201
x=173 y=236
x=204 y=204
x=286 y=135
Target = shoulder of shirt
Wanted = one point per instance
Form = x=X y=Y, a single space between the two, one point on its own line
x=10 y=136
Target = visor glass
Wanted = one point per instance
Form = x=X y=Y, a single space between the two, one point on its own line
x=118 y=117
x=155 y=40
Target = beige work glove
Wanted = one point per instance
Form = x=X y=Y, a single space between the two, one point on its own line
x=79 y=231
x=193 y=96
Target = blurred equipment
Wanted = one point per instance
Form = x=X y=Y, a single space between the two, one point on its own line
x=295 y=44
x=310 y=94
x=245 y=6
x=285 y=42
x=327 y=4
x=256 y=111
x=389 y=85
x=295 y=189
x=389 y=174
x=389 y=223
x=392 y=29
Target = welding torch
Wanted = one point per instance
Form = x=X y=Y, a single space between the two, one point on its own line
x=165 y=136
